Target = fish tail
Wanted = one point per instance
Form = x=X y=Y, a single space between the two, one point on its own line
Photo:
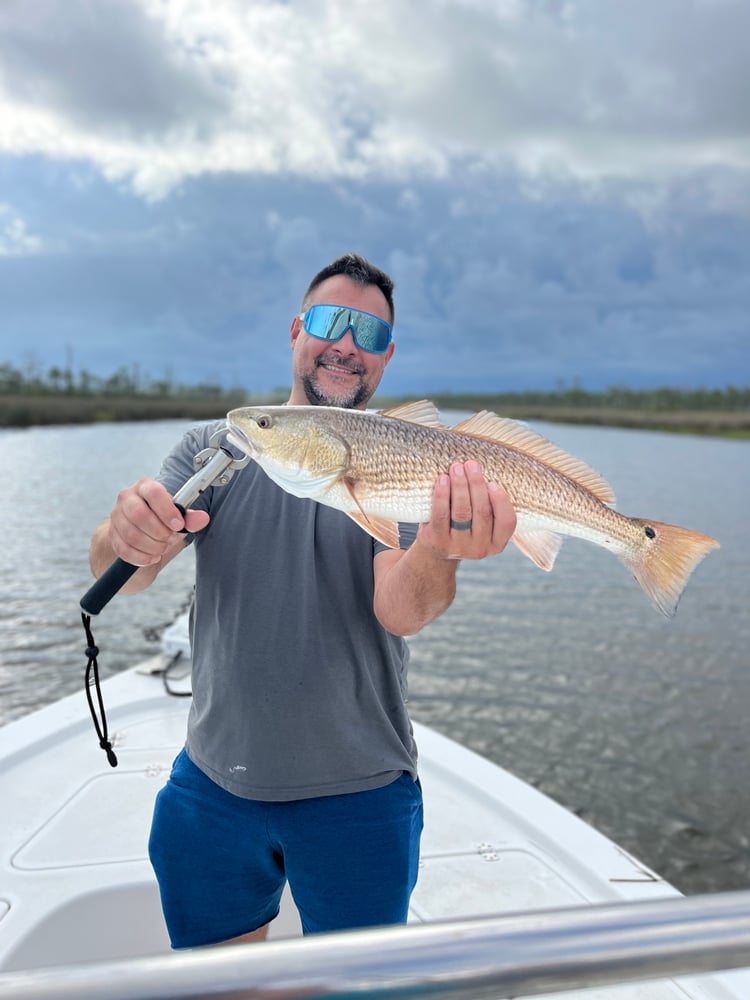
x=664 y=564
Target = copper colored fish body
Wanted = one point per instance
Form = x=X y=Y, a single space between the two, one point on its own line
x=380 y=468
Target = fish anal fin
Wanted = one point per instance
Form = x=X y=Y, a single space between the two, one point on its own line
x=421 y=412
x=381 y=529
x=539 y=546
x=512 y=434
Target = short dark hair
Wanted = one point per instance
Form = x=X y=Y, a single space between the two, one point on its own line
x=359 y=270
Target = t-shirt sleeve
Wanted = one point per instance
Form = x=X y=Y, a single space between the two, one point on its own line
x=406 y=535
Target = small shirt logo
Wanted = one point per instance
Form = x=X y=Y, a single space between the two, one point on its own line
x=237 y=767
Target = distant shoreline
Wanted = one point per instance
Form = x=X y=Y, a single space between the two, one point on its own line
x=19 y=411
x=51 y=410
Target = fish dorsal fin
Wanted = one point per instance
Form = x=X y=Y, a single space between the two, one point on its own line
x=420 y=412
x=381 y=529
x=512 y=434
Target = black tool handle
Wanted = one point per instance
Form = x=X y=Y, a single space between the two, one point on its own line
x=112 y=580
x=117 y=575
x=109 y=583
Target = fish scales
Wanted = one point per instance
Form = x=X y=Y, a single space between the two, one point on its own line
x=381 y=468
x=390 y=458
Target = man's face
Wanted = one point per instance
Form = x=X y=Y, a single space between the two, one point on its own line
x=338 y=373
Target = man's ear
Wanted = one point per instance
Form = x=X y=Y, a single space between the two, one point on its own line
x=294 y=330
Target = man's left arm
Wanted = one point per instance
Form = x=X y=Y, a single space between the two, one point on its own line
x=416 y=585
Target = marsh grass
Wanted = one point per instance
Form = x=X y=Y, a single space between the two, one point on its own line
x=48 y=409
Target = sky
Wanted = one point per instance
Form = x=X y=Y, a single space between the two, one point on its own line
x=559 y=188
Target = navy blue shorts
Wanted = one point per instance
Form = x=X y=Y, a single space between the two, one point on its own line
x=222 y=861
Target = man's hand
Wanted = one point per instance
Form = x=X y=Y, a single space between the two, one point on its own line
x=471 y=518
x=414 y=586
x=144 y=526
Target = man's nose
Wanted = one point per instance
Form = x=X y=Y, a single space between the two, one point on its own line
x=345 y=345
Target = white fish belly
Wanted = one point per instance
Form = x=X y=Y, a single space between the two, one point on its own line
x=413 y=507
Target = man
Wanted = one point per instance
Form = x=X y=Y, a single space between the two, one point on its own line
x=300 y=762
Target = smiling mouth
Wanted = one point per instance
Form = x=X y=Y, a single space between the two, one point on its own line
x=338 y=368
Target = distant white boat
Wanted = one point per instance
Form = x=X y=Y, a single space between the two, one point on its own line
x=516 y=896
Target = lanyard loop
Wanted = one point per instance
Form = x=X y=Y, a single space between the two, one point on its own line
x=92 y=680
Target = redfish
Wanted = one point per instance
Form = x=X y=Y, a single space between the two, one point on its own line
x=380 y=468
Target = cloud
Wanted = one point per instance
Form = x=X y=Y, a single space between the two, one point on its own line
x=493 y=291
x=102 y=68
x=561 y=190
x=156 y=93
x=15 y=240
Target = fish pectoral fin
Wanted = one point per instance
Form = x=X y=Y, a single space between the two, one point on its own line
x=422 y=412
x=539 y=546
x=381 y=529
x=513 y=434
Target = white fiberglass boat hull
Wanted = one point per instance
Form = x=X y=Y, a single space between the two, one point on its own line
x=76 y=885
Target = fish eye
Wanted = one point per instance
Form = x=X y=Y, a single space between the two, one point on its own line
x=263 y=421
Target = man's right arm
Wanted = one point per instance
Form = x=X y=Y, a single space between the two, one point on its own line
x=144 y=529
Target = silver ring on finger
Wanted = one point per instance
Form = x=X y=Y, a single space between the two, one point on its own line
x=460 y=525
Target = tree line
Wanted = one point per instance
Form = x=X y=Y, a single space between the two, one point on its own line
x=123 y=383
x=131 y=383
x=664 y=399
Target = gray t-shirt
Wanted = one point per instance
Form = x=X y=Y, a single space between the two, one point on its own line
x=298 y=691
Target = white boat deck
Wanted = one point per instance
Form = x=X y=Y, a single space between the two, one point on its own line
x=76 y=884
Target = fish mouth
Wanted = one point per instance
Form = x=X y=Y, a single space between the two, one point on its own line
x=238 y=439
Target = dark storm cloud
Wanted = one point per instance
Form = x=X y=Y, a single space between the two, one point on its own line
x=101 y=66
x=493 y=291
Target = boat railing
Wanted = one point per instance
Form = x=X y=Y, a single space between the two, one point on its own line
x=512 y=955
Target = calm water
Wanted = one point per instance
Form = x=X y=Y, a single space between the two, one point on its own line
x=570 y=680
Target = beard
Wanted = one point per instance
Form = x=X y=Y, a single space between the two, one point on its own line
x=349 y=398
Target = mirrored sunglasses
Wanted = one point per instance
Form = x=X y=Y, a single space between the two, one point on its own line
x=370 y=333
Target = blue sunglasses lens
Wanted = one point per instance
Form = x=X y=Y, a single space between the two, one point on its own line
x=370 y=333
